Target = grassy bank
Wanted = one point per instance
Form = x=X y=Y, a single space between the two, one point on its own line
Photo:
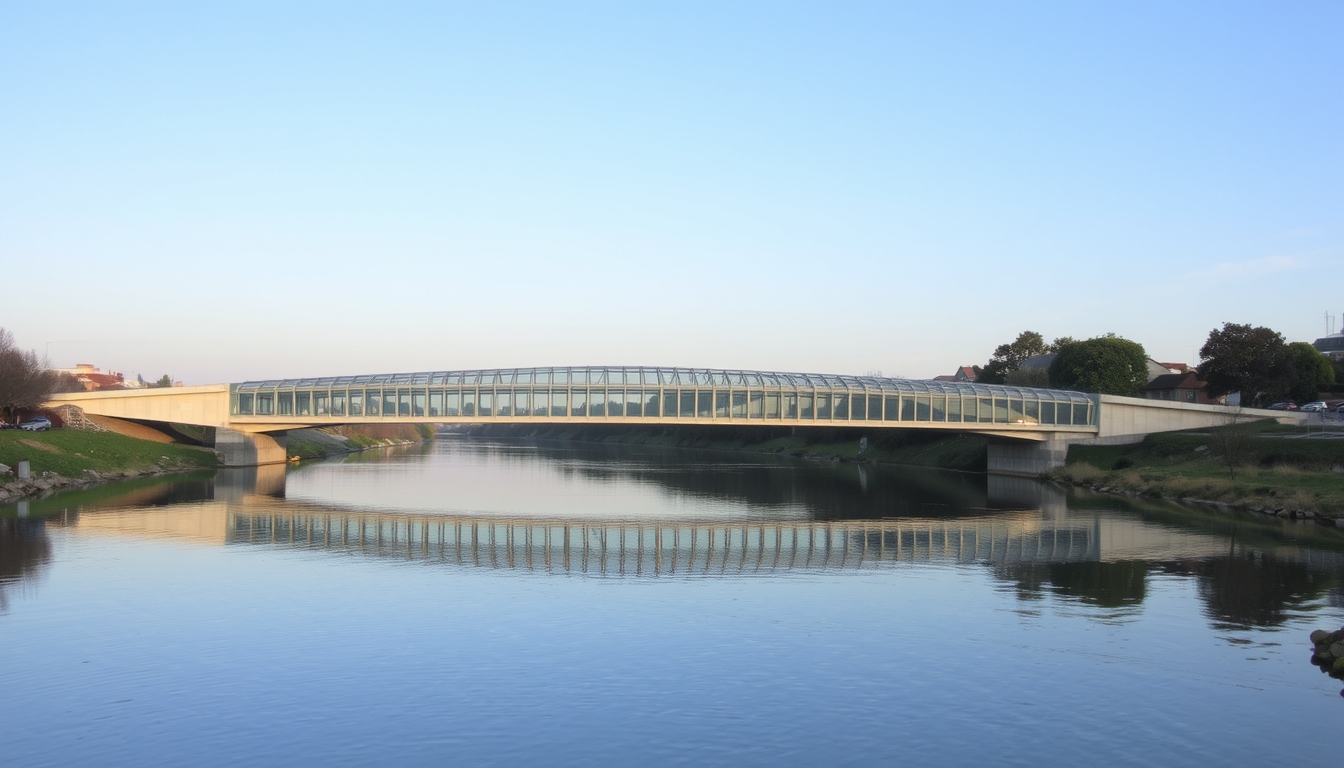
x=335 y=441
x=1253 y=467
x=917 y=448
x=73 y=453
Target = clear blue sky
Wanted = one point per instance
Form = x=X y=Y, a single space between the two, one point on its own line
x=246 y=190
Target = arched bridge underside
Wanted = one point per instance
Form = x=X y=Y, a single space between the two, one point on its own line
x=245 y=413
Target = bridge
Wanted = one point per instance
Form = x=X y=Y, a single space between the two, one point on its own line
x=1029 y=429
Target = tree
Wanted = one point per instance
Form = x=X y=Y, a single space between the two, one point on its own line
x=1312 y=372
x=25 y=380
x=1248 y=359
x=164 y=381
x=1107 y=364
x=1008 y=357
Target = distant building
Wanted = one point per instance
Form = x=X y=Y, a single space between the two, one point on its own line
x=92 y=379
x=964 y=373
x=1332 y=346
x=1178 y=387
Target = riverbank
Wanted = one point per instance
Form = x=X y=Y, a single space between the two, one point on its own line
x=958 y=452
x=1260 y=468
x=68 y=458
x=304 y=444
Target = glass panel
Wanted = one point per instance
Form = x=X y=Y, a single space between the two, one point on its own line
x=840 y=406
x=893 y=410
x=1015 y=411
x=520 y=404
x=265 y=403
x=559 y=402
x=986 y=410
x=805 y=406
x=303 y=403
x=954 y=408
x=320 y=404
x=823 y=405
x=616 y=377
x=634 y=403
x=907 y=408
x=650 y=401
x=468 y=402
x=1032 y=414
x=503 y=402
x=245 y=404
x=922 y=412
x=579 y=402
x=860 y=407
x=939 y=408
x=670 y=402
x=452 y=402
x=560 y=377
x=1080 y=413
x=739 y=410
x=389 y=402
x=874 y=407
x=757 y=400
x=372 y=399
x=704 y=404
x=541 y=377
x=1047 y=412
x=403 y=402
x=436 y=402
x=487 y=405
x=418 y=403
x=598 y=406
x=688 y=403
x=721 y=403
x=615 y=401
x=541 y=402
x=791 y=406
x=772 y=405
x=356 y=402
x=284 y=403
x=503 y=377
x=1000 y=410
x=523 y=377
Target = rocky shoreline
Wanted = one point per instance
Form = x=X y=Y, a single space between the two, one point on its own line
x=49 y=482
x=1281 y=512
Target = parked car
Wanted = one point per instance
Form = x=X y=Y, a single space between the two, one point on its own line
x=1318 y=405
x=1287 y=405
x=36 y=424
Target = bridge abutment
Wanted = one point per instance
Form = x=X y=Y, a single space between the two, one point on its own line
x=244 y=449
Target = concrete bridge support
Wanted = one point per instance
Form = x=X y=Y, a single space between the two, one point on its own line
x=243 y=449
x=1026 y=459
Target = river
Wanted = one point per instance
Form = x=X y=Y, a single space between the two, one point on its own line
x=494 y=602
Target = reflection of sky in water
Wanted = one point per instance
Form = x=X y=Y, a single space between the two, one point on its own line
x=150 y=631
x=593 y=482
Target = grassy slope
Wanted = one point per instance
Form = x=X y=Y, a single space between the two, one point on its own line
x=1294 y=474
x=69 y=452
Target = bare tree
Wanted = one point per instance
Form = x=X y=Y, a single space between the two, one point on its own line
x=26 y=380
x=1235 y=441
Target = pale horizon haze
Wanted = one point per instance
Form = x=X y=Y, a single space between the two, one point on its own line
x=251 y=190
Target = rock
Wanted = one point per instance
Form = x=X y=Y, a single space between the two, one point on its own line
x=1339 y=666
x=1318 y=636
x=4 y=469
x=1337 y=650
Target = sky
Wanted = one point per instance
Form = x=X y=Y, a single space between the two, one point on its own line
x=235 y=191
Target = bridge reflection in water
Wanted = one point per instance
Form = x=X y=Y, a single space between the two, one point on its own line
x=654 y=549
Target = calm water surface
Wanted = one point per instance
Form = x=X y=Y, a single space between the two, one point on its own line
x=510 y=603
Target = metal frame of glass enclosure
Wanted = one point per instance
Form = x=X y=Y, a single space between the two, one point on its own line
x=663 y=394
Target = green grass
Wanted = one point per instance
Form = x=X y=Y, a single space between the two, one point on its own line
x=70 y=452
x=1277 y=472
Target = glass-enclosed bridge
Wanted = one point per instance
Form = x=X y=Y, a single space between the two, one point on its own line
x=1029 y=429
x=654 y=395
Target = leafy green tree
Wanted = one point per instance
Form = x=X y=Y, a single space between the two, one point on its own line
x=1008 y=357
x=1059 y=343
x=164 y=381
x=1108 y=364
x=1252 y=360
x=1312 y=372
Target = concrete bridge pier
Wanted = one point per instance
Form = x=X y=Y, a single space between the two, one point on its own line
x=246 y=449
x=1026 y=459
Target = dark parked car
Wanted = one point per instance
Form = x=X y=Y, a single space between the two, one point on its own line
x=36 y=424
x=1287 y=405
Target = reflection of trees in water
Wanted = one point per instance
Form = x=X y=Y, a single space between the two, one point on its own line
x=24 y=549
x=830 y=491
x=1253 y=589
x=1118 y=584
